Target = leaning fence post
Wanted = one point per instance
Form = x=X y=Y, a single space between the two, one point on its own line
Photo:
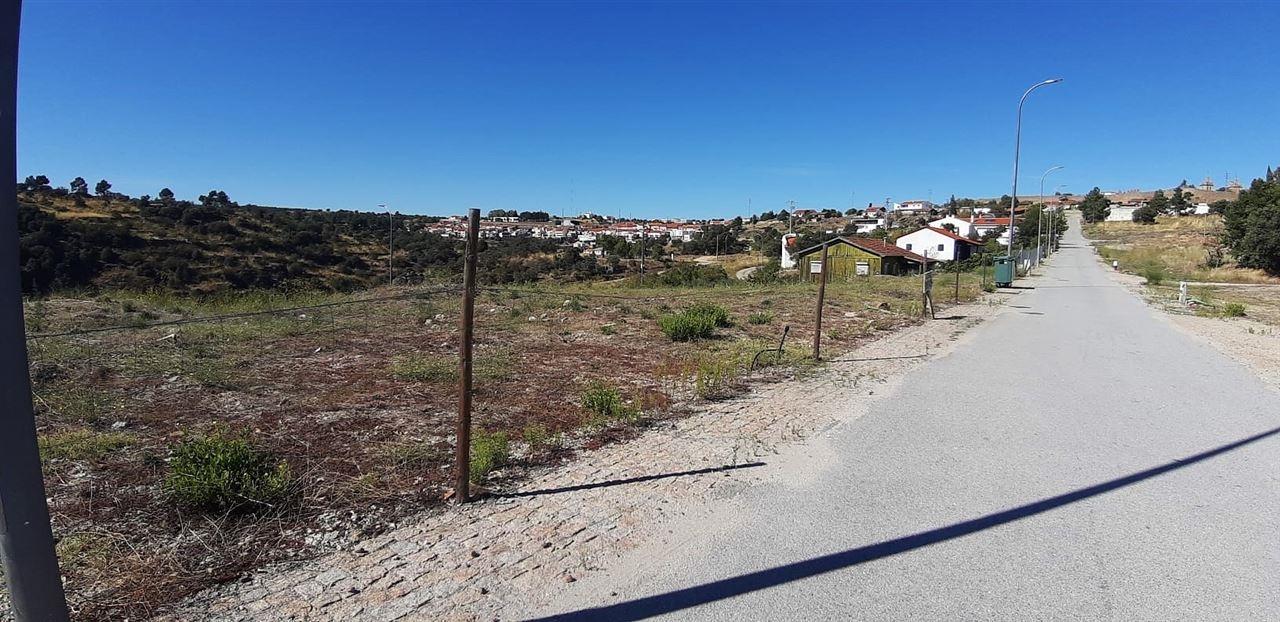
x=462 y=489
x=26 y=538
x=817 y=319
x=957 y=300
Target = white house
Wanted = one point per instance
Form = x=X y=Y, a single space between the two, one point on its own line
x=867 y=225
x=1201 y=209
x=939 y=244
x=1123 y=212
x=963 y=226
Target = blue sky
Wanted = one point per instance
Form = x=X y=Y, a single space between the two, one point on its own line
x=656 y=109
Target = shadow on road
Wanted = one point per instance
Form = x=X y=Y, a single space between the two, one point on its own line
x=677 y=600
x=630 y=480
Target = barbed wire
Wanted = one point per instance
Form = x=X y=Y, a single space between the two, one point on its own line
x=639 y=297
x=241 y=315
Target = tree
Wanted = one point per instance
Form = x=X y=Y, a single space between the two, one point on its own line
x=1146 y=214
x=166 y=195
x=79 y=187
x=1253 y=226
x=102 y=188
x=215 y=198
x=534 y=217
x=1095 y=207
x=35 y=182
x=1179 y=203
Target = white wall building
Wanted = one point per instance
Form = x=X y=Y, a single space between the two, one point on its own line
x=937 y=244
x=1122 y=213
x=963 y=226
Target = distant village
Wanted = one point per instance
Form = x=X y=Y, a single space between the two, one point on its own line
x=947 y=231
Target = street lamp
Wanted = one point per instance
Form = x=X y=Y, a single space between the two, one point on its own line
x=1040 y=219
x=1017 y=147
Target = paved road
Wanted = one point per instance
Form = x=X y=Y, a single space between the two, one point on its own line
x=1076 y=459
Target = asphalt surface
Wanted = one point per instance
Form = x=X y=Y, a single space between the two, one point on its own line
x=1076 y=458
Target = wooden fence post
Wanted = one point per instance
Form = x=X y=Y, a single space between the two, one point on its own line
x=462 y=489
x=817 y=316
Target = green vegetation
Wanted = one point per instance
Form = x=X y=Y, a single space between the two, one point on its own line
x=81 y=444
x=1253 y=225
x=697 y=322
x=221 y=473
x=693 y=275
x=760 y=317
x=1233 y=309
x=489 y=451
x=1095 y=207
x=605 y=404
x=1154 y=273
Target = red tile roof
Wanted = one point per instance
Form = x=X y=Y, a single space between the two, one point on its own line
x=876 y=247
x=954 y=236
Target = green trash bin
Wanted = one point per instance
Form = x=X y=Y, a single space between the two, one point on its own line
x=1004 y=271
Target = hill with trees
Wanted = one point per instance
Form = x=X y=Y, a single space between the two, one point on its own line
x=71 y=239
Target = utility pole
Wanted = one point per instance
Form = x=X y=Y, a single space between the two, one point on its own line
x=26 y=539
x=462 y=487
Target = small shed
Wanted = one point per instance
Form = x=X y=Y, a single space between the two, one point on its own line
x=849 y=257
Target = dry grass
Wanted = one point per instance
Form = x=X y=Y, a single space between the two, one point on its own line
x=1179 y=246
x=359 y=400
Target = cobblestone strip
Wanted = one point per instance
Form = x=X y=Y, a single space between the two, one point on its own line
x=501 y=554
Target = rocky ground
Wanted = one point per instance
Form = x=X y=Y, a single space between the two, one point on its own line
x=509 y=552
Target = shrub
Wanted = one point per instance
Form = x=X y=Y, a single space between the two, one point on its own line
x=696 y=322
x=715 y=313
x=489 y=451
x=763 y=317
x=693 y=275
x=686 y=327
x=714 y=377
x=538 y=438
x=605 y=404
x=1233 y=309
x=219 y=473
x=1154 y=273
x=768 y=273
x=608 y=329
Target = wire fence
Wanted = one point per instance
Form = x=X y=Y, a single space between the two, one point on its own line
x=359 y=395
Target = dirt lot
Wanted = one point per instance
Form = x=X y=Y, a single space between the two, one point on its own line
x=356 y=394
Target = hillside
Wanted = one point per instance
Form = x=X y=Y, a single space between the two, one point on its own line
x=114 y=242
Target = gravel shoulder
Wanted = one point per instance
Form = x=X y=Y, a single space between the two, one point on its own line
x=1255 y=344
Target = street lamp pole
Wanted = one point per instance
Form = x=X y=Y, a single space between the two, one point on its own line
x=1040 y=219
x=1017 y=148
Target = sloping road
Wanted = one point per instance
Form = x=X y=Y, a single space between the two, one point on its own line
x=1077 y=459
